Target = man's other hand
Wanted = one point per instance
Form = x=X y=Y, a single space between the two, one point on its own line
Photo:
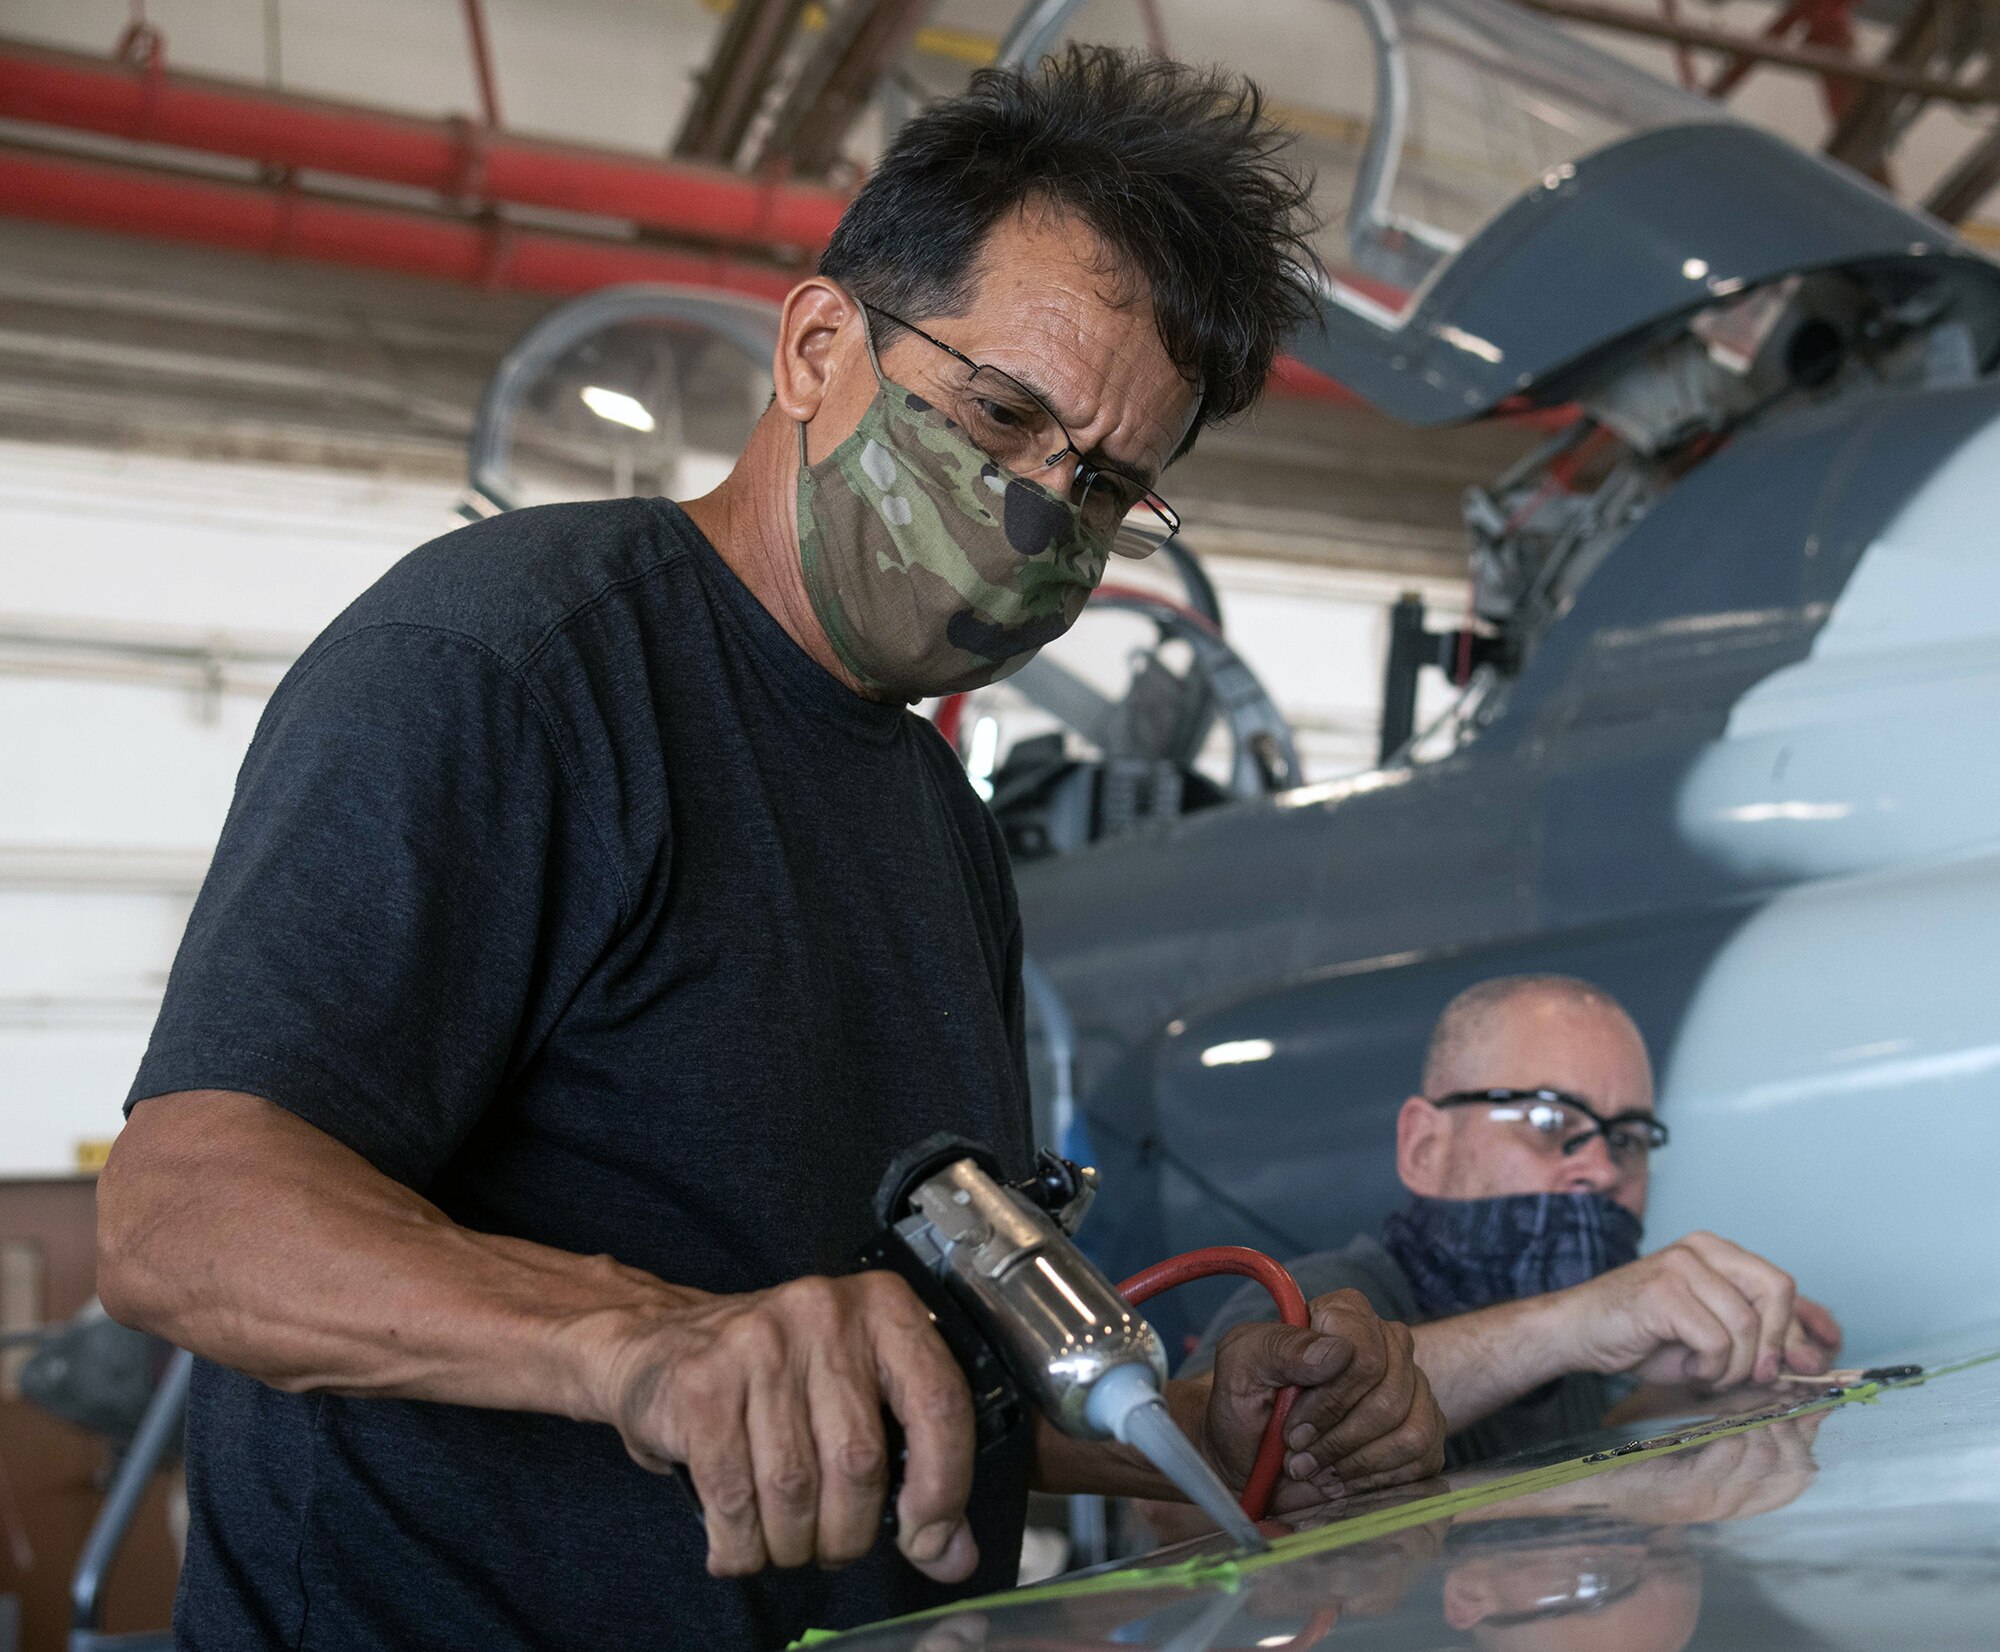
x=1701 y=1311
x=1364 y=1417
x=772 y=1403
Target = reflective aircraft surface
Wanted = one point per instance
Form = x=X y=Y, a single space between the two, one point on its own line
x=1779 y=1523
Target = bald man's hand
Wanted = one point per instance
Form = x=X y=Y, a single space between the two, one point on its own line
x=1701 y=1311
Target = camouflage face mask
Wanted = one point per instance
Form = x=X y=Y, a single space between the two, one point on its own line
x=932 y=569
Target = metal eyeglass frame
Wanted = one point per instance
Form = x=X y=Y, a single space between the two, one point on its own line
x=1601 y=1126
x=1087 y=472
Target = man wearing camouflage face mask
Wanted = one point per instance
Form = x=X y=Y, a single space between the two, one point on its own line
x=958 y=523
x=594 y=923
x=934 y=564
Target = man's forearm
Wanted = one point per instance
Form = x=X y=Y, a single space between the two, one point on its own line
x=236 y=1230
x=1479 y=1362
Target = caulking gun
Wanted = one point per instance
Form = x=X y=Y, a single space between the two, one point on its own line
x=1029 y=1317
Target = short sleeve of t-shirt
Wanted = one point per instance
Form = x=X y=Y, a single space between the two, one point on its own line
x=405 y=879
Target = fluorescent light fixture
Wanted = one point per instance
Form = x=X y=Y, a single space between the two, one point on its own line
x=1237 y=1052
x=618 y=407
x=1333 y=791
x=1757 y=813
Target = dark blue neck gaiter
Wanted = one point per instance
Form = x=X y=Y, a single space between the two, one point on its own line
x=1462 y=1254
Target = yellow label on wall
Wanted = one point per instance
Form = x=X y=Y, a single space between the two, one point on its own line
x=91 y=1154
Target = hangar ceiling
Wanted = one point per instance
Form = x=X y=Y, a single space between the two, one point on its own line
x=107 y=341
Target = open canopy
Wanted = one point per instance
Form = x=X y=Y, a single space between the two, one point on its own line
x=1504 y=202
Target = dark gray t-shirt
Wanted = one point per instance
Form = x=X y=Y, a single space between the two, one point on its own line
x=1569 y=1405
x=565 y=888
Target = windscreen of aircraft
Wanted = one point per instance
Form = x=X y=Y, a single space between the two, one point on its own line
x=1421 y=119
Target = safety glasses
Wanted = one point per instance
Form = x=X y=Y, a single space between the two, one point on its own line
x=1558 y=1122
x=1015 y=428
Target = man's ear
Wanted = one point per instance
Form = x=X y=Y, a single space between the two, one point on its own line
x=808 y=326
x=1421 y=1147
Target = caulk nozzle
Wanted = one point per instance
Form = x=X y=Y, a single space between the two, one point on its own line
x=1125 y=1404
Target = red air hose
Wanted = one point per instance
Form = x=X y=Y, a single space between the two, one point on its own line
x=1284 y=1289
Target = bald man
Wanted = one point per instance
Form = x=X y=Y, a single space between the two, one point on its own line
x=1528 y=1155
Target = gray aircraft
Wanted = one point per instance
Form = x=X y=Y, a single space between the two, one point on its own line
x=1725 y=742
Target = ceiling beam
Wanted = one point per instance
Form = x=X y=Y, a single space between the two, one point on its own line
x=456 y=159
x=729 y=92
x=281 y=222
x=1863 y=134
x=1818 y=60
x=863 y=40
x=1960 y=190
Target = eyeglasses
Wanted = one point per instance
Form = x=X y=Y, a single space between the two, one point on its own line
x=1556 y=1121
x=1015 y=428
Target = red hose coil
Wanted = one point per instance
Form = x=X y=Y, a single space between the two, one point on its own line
x=1285 y=1292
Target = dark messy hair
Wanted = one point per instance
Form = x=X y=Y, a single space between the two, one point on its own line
x=1176 y=168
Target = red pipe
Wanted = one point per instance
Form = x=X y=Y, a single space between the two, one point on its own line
x=1295 y=378
x=946 y=718
x=1285 y=1292
x=456 y=158
x=286 y=223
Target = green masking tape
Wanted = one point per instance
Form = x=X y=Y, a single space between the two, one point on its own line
x=1227 y=1572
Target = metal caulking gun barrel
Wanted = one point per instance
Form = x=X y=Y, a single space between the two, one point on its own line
x=1027 y=1314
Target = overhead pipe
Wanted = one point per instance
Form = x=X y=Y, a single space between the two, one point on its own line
x=143 y=102
x=459 y=159
x=1833 y=64
x=289 y=223
x=862 y=42
x=730 y=91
